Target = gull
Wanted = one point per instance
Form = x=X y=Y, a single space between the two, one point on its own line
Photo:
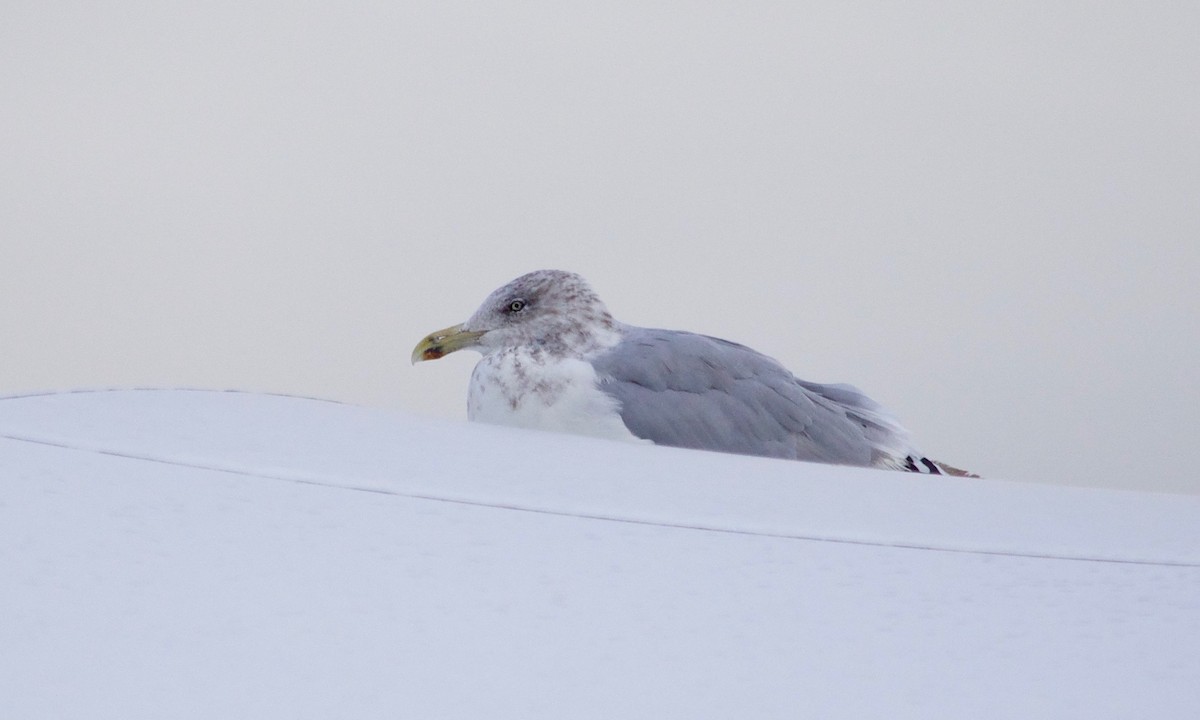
x=555 y=359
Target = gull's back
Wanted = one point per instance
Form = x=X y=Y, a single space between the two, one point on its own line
x=688 y=390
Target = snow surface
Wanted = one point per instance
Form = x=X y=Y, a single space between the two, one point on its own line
x=183 y=554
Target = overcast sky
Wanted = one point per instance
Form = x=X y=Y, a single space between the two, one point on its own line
x=988 y=217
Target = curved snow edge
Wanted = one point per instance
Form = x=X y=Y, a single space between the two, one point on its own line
x=314 y=442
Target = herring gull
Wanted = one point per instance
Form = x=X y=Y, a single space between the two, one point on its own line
x=555 y=359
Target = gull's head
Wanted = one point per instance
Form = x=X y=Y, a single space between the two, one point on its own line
x=551 y=309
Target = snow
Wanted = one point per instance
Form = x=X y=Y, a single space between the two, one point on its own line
x=192 y=554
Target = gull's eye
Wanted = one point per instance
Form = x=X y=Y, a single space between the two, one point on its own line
x=516 y=305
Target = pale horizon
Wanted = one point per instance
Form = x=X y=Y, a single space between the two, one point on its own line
x=985 y=217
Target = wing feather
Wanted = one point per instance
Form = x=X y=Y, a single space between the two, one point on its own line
x=688 y=390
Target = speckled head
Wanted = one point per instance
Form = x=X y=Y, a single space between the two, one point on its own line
x=553 y=309
x=550 y=311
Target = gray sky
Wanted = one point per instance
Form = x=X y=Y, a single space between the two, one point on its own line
x=986 y=217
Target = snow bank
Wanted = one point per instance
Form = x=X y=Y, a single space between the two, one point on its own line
x=198 y=554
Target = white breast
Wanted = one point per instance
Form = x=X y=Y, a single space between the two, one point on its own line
x=535 y=390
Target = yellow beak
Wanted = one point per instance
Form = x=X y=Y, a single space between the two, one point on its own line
x=443 y=342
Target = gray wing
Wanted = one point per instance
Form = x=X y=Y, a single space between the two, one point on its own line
x=694 y=391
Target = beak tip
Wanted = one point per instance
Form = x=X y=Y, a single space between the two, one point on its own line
x=443 y=342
